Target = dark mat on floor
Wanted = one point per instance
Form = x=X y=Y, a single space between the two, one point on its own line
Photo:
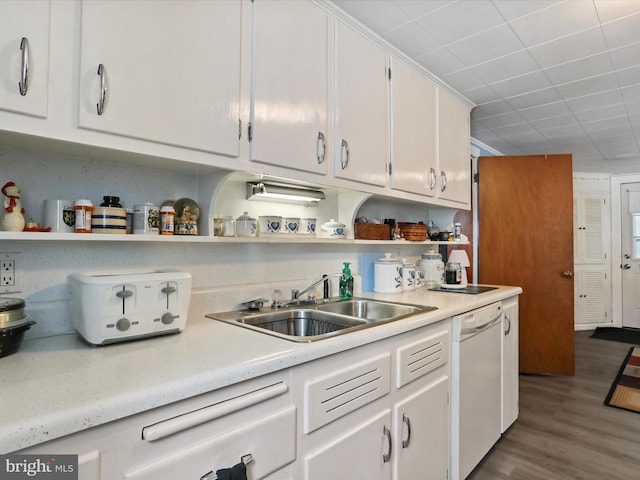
x=626 y=335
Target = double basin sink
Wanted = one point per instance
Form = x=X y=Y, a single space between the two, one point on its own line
x=308 y=323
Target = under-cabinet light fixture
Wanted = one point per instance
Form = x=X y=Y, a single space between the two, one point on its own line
x=283 y=193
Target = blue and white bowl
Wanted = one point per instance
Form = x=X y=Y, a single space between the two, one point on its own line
x=334 y=229
x=307 y=226
x=290 y=224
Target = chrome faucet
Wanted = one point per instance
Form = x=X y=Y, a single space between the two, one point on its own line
x=296 y=294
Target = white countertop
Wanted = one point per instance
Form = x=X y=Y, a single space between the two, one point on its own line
x=56 y=386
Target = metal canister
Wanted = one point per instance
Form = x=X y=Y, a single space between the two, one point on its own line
x=146 y=219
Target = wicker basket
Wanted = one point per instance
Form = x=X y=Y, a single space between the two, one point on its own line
x=372 y=231
x=413 y=232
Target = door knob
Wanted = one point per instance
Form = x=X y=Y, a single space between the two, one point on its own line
x=626 y=266
x=567 y=274
x=627 y=256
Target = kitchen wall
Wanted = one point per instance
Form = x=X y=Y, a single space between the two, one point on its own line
x=218 y=269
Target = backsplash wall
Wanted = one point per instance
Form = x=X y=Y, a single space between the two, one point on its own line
x=218 y=269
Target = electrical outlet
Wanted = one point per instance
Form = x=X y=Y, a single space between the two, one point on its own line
x=11 y=272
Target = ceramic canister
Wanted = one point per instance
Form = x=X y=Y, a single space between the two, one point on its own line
x=307 y=226
x=387 y=275
x=109 y=220
x=433 y=267
x=408 y=275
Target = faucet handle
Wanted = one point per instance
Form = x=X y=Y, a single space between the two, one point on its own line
x=295 y=293
x=276 y=295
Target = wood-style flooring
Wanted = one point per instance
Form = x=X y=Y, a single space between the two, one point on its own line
x=564 y=431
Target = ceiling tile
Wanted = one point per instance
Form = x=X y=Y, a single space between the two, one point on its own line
x=492 y=109
x=601 y=83
x=631 y=92
x=534 y=98
x=579 y=69
x=415 y=9
x=624 y=57
x=601 y=113
x=549 y=110
x=463 y=80
x=622 y=32
x=503 y=120
x=628 y=76
x=487 y=45
x=378 y=15
x=511 y=10
x=440 y=62
x=460 y=20
x=522 y=84
x=609 y=10
x=480 y=95
x=506 y=67
x=571 y=47
x=552 y=123
x=597 y=100
x=411 y=40
x=557 y=21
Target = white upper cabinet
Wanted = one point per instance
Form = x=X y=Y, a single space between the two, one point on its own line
x=454 y=157
x=24 y=56
x=413 y=124
x=361 y=109
x=290 y=80
x=168 y=72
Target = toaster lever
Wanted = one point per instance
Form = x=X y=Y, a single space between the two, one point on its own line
x=124 y=293
x=168 y=289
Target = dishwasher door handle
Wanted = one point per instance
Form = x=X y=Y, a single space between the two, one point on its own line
x=188 y=420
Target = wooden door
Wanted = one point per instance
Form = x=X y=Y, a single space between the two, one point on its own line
x=525 y=211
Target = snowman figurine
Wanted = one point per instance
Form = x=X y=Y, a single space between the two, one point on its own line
x=11 y=219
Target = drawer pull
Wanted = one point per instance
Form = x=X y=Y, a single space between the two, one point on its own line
x=24 y=79
x=407 y=422
x=183 y=422
x=387 y=456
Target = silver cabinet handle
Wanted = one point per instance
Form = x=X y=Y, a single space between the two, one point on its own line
x=443 y=181
x=433 y=179
x=103 y=88
x=321 y=142
x=407 y=422
x=387 y=456
x=507 y=318
x=344 y=154
x=24 y=79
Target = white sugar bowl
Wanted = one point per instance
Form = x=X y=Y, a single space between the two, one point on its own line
x=334 y=229
x=246 y=226
x=387 y=275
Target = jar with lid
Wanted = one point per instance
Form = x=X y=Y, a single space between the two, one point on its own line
x=83 y=208
x=246 y=226
x=387 y=275
x=408 y=275
x=453 y=273
x=433 y=267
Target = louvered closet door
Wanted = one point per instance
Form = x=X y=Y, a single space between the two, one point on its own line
x=589 y=213
x=592 y=298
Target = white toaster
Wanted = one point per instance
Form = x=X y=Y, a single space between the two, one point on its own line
x=110 y=307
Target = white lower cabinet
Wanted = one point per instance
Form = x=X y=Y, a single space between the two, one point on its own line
x=383 y=416
x=191 y=438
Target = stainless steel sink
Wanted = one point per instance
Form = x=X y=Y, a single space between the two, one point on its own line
x=370 y=310
x=308 y=323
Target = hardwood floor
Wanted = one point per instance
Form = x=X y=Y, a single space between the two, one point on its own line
x=564 y=431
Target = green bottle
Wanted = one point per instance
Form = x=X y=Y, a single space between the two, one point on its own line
x=346 y=283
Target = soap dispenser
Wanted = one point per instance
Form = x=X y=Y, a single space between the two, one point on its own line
x=346 y=283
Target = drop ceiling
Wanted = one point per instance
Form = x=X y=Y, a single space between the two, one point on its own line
x=545 y=76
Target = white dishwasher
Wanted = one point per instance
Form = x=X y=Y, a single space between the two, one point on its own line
x=475 y=387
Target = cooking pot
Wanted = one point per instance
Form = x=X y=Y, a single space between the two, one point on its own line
x=13 y=324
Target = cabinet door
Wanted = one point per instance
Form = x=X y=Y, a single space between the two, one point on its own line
x=27 y=20
x=588 y=240
x=592 y=297
x=171 y=71
x=290 y=85
x=454 y=157
x=361 y=118
x=413 y=97
x=510 y=367
x=421 y=433
x=358 y=455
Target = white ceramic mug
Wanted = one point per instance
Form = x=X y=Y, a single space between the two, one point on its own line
x=290 y=224
x=60 y=215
